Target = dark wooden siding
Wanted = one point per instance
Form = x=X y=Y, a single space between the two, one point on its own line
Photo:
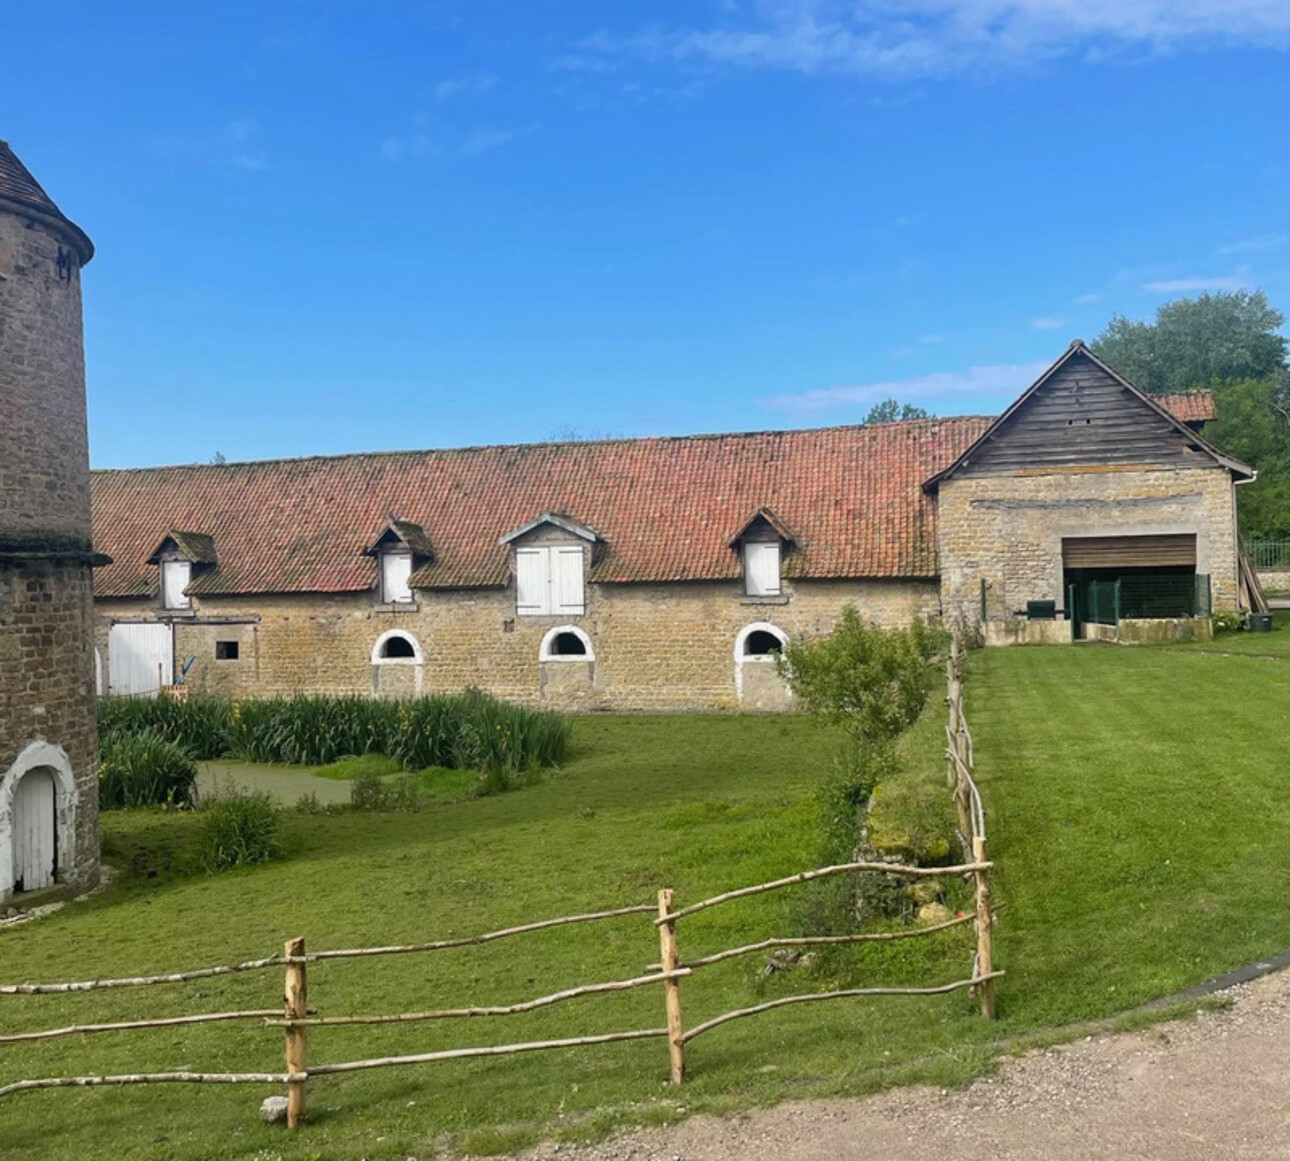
x=1129 y=551
x=1082 y=416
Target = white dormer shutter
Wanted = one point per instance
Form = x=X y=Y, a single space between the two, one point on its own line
x=761 y=568
x=396 y=572
x=532 y=582
x=175 y=575
x=567 y=594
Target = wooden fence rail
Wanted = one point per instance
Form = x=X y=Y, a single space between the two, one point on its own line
x=297 y=1018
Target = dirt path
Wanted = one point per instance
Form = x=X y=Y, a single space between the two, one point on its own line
x=1216 y=1087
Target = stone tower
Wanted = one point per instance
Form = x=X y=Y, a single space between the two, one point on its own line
x=48 y=738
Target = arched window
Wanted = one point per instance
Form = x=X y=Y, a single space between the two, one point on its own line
x=759 y=642
x=566 y=643
x=396 y=646
x=762 y=644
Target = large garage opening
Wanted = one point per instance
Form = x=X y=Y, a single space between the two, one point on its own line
x=1109 y=579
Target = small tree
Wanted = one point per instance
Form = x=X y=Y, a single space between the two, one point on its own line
x=873 y=683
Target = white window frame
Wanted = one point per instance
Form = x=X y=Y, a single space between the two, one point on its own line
x=545 y=653
x=396 y=591
x=541 y=564
x=741 y=642
x=417 y=657
x=172 y=592
x=754 y=548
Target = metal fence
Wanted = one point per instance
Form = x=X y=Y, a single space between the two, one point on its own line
x=1149 y=596
x=1269 y=553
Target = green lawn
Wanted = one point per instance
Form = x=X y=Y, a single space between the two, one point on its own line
x=1136 y=810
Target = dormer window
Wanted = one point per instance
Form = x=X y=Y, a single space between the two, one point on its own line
x=761 y=568
x=396 y=573
x=176 y=575
x=551 y=556
x=181 y=558
x=400 y=550
x=762 y=543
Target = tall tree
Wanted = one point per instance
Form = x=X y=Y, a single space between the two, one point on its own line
x=891 y=411
x=1196 y=342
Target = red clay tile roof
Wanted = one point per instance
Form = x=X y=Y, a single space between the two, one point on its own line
x=19 y=190
x=666 y=508
x=1188 y=406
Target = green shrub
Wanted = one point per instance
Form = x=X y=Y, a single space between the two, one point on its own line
x=844 y=795
x=144 y=769
x=239 y=827
x=199 y=724
x=872 y=682
x=349 y=734
x=311 y=730
x=369 y=791
x=1228 y=622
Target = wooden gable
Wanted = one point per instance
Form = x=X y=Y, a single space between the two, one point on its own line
x=1081 y=414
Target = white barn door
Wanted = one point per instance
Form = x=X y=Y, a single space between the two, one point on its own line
x=35 y=851
x=134 y=652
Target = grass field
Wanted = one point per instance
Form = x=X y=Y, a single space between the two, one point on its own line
x=1137 y=811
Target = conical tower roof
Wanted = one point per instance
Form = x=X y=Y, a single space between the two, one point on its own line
x=20 y=193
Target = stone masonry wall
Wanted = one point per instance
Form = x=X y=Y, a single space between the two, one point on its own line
x=46 y=659
x=656 y=647
x=47 y=687
x=44 y=456
x=1009 y=529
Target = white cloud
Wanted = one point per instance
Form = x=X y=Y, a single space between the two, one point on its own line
x=1008 y=379
x=1197 y=283
x=1259 y=245
x=1048 y=323
x=396 y=148
x=1087 y=299
x=484 y=140
x=471 y=84
x=239 y=136
x=899 y=39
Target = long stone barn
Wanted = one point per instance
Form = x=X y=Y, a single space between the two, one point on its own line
x=665 y=574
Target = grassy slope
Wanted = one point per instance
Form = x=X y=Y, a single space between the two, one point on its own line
x=1136 y=810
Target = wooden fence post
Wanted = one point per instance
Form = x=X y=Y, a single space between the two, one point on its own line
x=671 y=988
x=984 y=934
x=295 y=1006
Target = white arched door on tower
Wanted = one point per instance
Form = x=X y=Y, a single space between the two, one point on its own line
x=35 y=842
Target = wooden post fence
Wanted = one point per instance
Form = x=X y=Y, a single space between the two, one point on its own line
x=984 y=932
x=672 y=986
x=295 y=1007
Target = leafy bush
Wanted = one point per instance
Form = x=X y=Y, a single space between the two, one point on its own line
x=844 y=795
x=369 y=791
x=311 y=730
x=478 y=732
x=199 y=724
x=872 y=682
x=1228 y=622
x=460 y=731
x=144 y=769
x=239 y=827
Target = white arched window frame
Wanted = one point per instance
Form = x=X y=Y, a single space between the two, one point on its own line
x=741 y=642
x=39 y=755
x=743 y=657
x=378 y=649
x=548 y=642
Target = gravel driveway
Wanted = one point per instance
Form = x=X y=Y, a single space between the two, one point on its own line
x=1216 y=1087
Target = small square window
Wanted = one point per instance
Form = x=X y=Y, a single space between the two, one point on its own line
x=227 y=650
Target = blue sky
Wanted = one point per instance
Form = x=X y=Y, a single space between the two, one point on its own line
x=329 y=227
